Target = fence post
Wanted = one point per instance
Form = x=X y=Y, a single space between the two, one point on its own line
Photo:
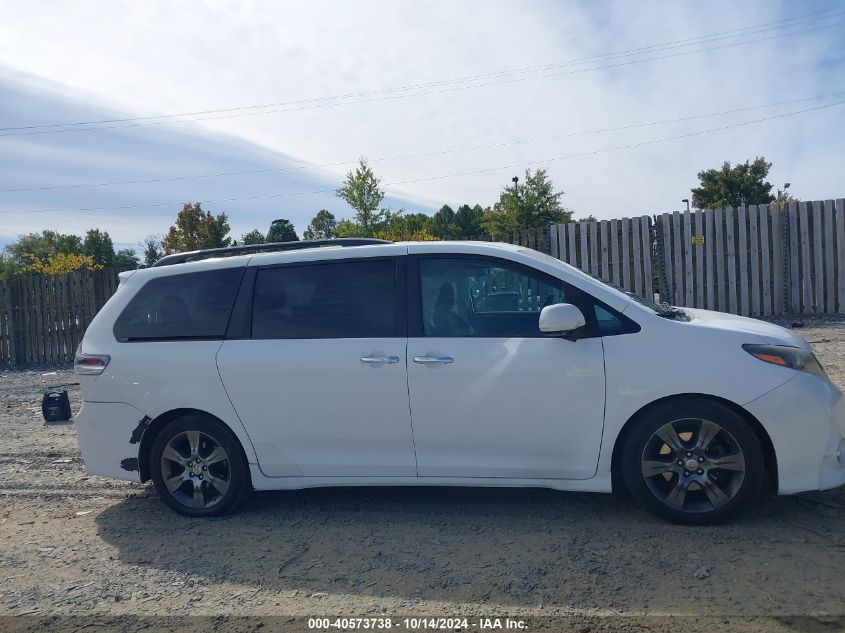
x=17 y=354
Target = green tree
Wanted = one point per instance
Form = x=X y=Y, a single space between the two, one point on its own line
x=99 y=246
x=744 y=183
x=125 y=258
x=253 y=237
x=362 y=191
x=405 y=226
x=468 y=222
x=42 y=246
x=197 y=229
x=281 y=231
x=443 y=223
x=784 y=197
x=8 y=266
x=152 y=246
x=348 y=228
x=529 y=205
x=322 y=227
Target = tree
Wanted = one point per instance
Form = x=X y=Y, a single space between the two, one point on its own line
x=784 y=197
x=125 y=258
x=152 y=247
x=281 y=231
x=348 y=228
x=468 y=222
x=443 y=223
x=745 y=183
x=62 y=263
x=197 y=229
x=362 y=191
x=322 y=227
x=412 y=226
x=529 y=205
x=253 y=237
x=99 y=246
x=465 y=223
x=42 y=246
x=8 y=267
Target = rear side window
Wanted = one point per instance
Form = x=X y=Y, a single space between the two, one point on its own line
x=337 y=300
x=188 y=306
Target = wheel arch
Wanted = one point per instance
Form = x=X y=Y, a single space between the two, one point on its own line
x=157 y=424
x=769 y=455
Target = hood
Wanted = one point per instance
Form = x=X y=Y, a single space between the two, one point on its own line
x=769 y=332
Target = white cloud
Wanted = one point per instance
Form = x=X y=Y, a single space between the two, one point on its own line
x=155 y=57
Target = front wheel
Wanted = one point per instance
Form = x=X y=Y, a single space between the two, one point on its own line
x=693 y=461
x=198 y=468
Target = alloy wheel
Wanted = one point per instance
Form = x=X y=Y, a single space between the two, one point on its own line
x=693 y=465
x=195 y=469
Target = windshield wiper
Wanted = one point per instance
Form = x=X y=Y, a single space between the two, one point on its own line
x=671 y=312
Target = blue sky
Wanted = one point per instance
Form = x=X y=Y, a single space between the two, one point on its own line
x=83 y=61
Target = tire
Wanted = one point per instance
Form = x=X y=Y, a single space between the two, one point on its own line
x=657 y=464
x=198 y=467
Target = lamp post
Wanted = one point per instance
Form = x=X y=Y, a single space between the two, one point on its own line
x=687 y=201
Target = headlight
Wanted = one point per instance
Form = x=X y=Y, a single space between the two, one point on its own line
x=791 y=357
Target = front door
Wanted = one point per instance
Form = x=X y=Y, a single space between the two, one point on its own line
x=321 y=384
x=490 y=395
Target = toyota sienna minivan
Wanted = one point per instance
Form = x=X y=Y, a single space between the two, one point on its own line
x=366 y=363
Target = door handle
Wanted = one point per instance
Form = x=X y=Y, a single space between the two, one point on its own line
x=434 y=360
x=388 y=360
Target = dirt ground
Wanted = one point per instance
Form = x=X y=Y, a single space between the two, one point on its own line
x=80 y=552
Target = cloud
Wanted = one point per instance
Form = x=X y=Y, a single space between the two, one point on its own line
x=156 y=57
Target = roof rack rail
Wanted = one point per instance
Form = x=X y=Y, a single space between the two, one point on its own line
x=181 y=258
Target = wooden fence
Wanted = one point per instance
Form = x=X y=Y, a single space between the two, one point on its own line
x=43 y=317
x=756 y=260
x=617 y=251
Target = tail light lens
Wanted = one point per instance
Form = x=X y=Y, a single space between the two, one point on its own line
x=90 y=364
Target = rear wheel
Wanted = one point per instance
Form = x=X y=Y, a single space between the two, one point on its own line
x=198 y=468
x=693 y=461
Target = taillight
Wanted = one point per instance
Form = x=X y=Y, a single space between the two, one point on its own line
x=90 y=364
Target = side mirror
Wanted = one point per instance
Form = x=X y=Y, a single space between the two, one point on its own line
x=561 y=319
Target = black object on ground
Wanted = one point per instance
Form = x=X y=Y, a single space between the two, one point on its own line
x=55 y=406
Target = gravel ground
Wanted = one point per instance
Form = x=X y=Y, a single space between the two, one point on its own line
x=97 y=554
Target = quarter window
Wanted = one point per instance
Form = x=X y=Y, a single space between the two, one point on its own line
x=479 y=297
x=327 y=300
x=186 y=306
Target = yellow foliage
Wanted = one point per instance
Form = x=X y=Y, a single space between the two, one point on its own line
x=61 y=263
x=398 y=235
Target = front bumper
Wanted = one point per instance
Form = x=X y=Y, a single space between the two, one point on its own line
x=109 y=437
x=805 y=419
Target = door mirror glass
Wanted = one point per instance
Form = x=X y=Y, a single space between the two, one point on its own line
x=561 y=318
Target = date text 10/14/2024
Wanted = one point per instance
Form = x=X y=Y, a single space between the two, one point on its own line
x=416 y=624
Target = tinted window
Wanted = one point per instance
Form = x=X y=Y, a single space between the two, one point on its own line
x=343 y=300
x=469 y=297
x=610 y=323
x=193 y=305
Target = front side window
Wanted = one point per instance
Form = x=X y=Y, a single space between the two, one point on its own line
x=480 y=297
x=186 y=306
x=326 y=300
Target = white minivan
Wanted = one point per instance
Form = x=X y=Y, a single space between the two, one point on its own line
x=369 y=363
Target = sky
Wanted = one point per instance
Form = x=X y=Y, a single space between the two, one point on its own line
x=447 y=100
